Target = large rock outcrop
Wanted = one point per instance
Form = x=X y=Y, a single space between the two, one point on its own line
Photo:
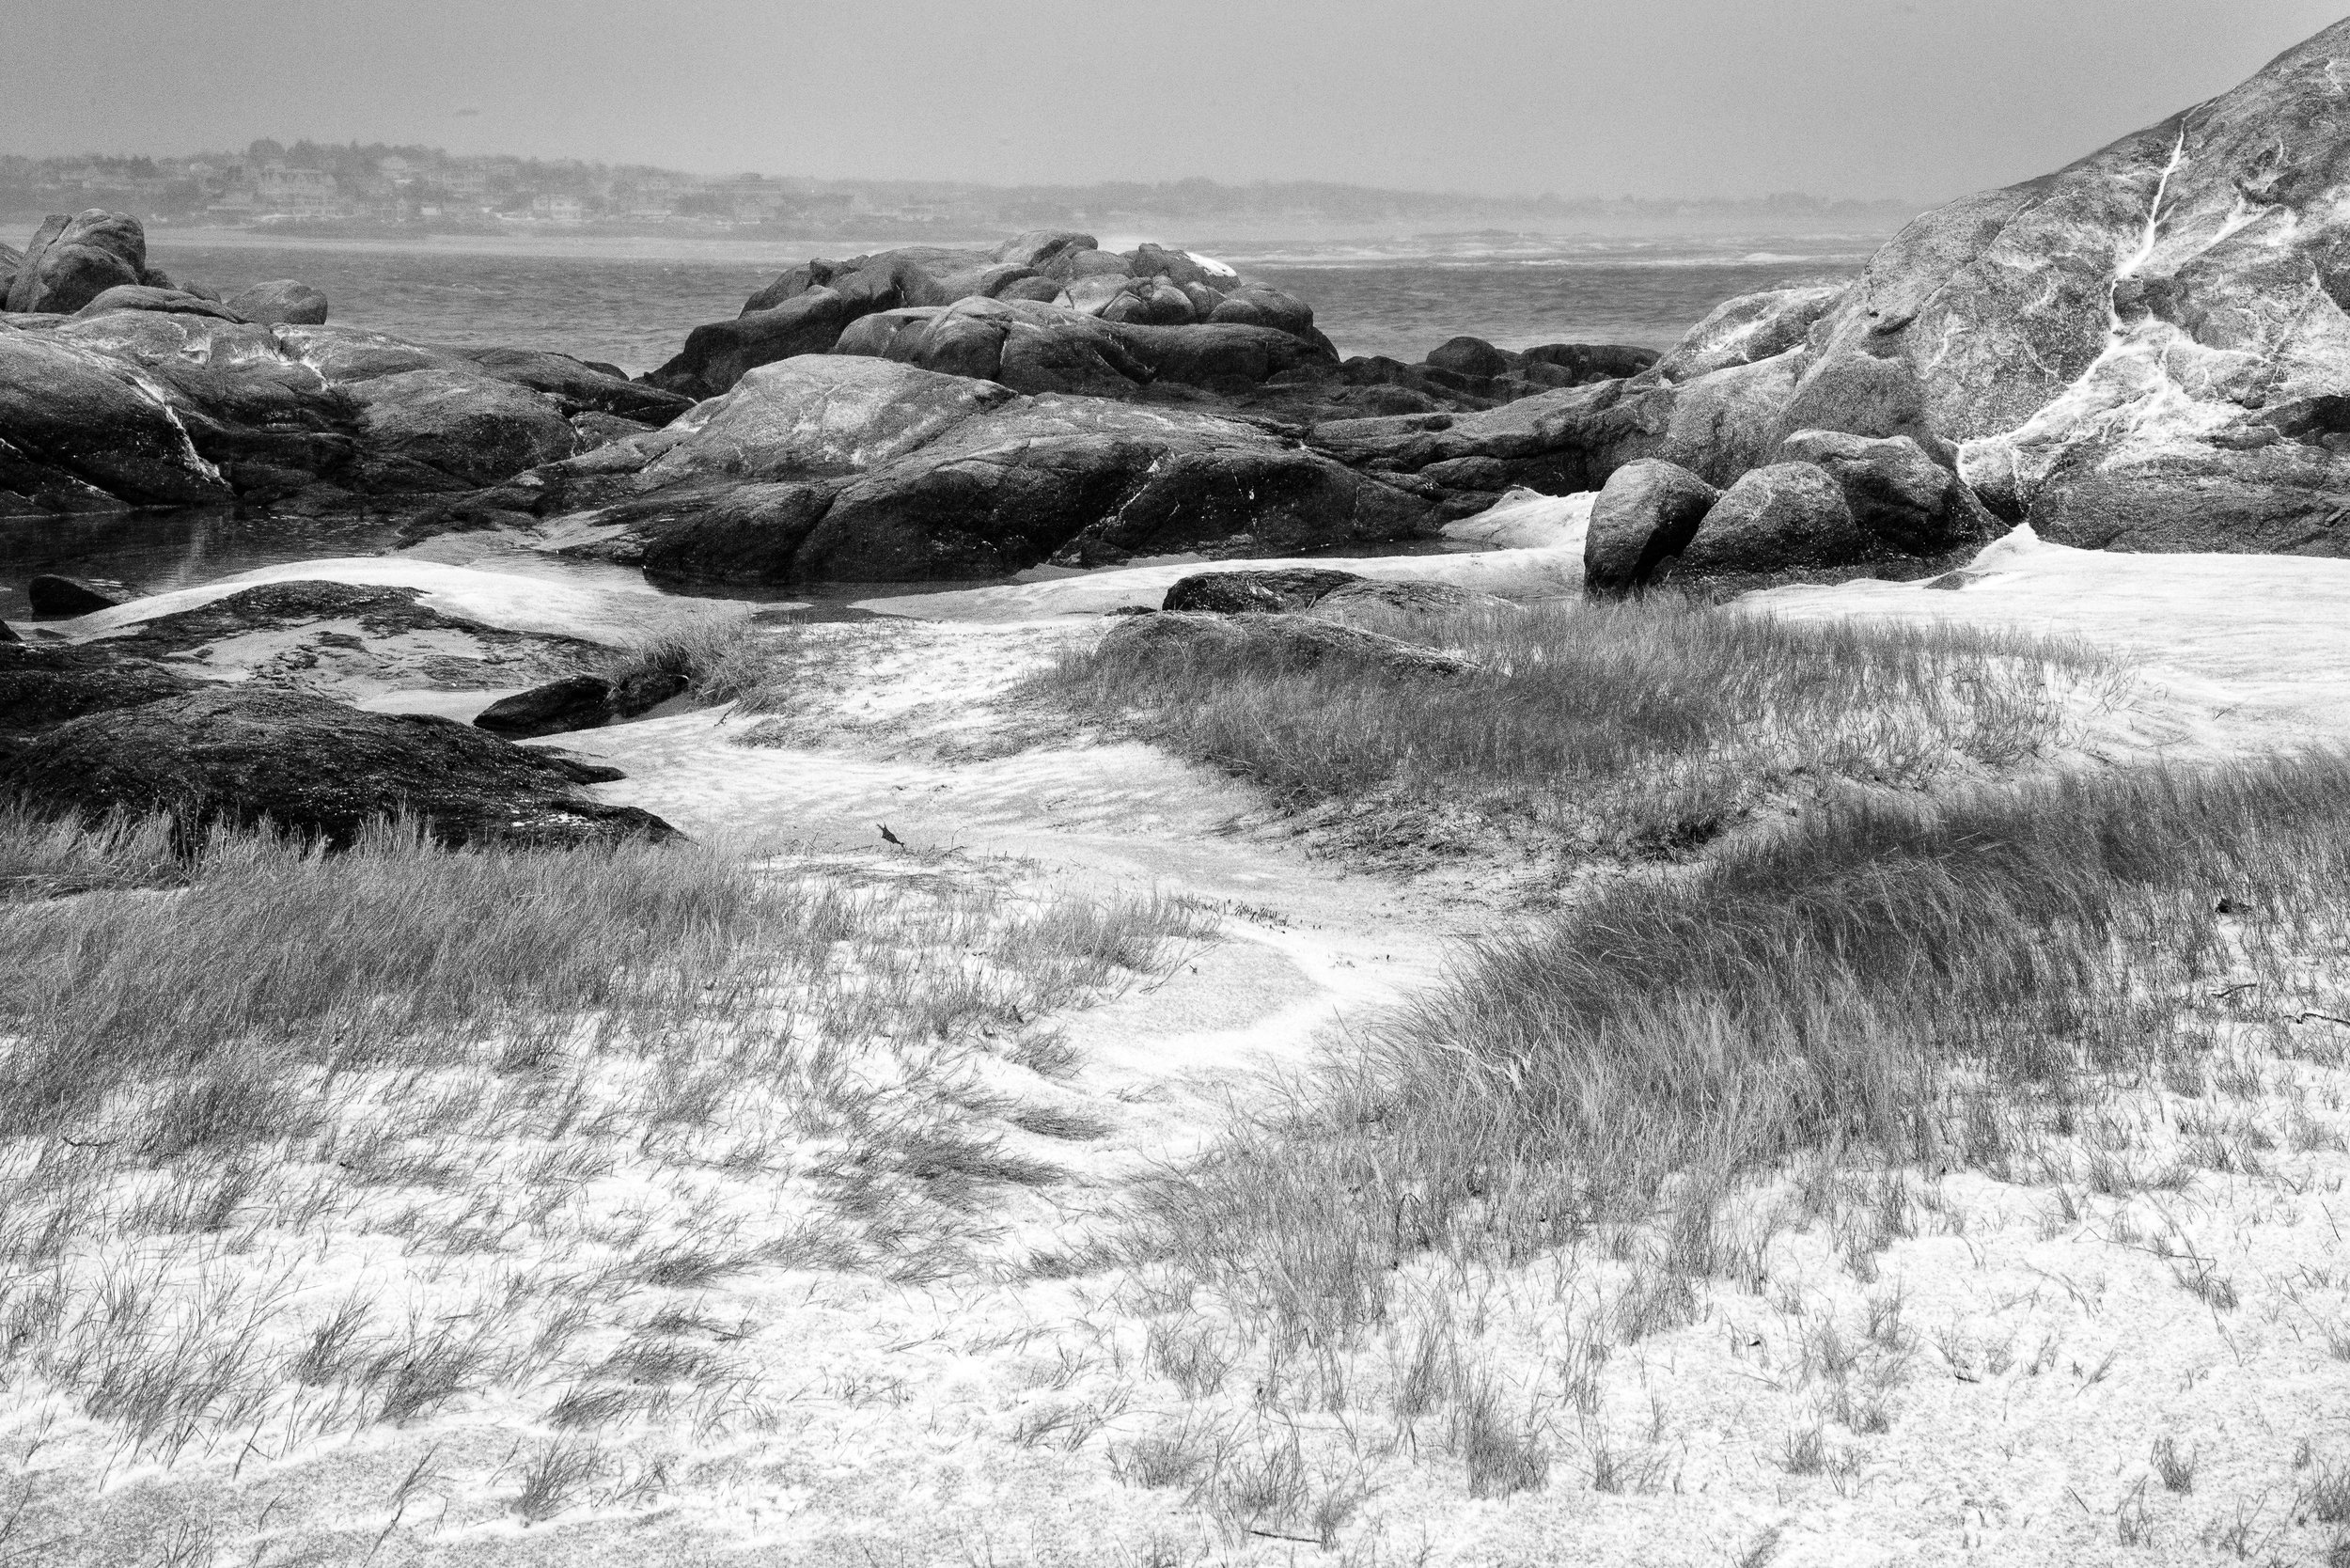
x=74 y=259
x=313 y=766
x=848 y=468
x=2149 y=349
x=152 y=397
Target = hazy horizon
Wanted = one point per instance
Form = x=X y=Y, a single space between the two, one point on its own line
x=1697 y=100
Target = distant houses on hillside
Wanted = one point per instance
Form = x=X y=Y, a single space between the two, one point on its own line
x=380 y=186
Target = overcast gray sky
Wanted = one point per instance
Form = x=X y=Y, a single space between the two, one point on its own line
x=1872 y=98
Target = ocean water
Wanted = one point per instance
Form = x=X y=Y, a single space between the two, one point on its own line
x=630 y=303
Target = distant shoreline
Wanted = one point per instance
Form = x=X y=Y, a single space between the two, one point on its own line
x=1332 y=249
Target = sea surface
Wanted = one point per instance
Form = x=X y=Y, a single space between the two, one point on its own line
x=630 y=303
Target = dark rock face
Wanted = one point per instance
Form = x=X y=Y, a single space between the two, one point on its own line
x=1290 y=642
x=424 y=425
x=850 y=468
x=578 y=702
x=42 y=686
x=282 y=300
x=55 y=595
x=314 y=767
x=1646 y=514
x=1786 y=516
x=1469 y=356
x=1898 y=494
x=717 y=356
x=575 y=703
x=1293 y=588
x=72 y=261
x=75 y=420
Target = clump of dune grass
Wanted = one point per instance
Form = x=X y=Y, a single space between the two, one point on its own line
x=273 y=952
x=1891 y=980
x=734 y=659
x=1651 y=725
x=226 y=1070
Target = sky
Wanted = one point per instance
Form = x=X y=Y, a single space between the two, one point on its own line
x=1894 y=99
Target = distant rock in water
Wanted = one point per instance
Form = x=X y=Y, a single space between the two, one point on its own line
x=282 y=299
x=1059 y=302
x=1051 y=312
x=310 y=765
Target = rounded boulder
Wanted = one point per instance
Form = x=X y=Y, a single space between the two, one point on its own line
x=1289 y=588
x=1896 y=492
x=1789 y=516
x=282 y=300
x=1647 y=513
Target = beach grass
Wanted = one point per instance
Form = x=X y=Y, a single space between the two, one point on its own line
x=1645 y=727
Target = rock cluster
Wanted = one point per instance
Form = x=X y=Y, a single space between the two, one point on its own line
x=118 y=389
x=120 y=721
x=810 y=308
x=2149 y=349
x=313 y=766
x=857 y=469
x=99 y=258
x=1827 y=501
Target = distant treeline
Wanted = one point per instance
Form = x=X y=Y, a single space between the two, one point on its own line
x=306 y=182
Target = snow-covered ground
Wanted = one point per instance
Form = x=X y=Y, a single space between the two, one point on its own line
x=1919 y=1367
x=2264 y=641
